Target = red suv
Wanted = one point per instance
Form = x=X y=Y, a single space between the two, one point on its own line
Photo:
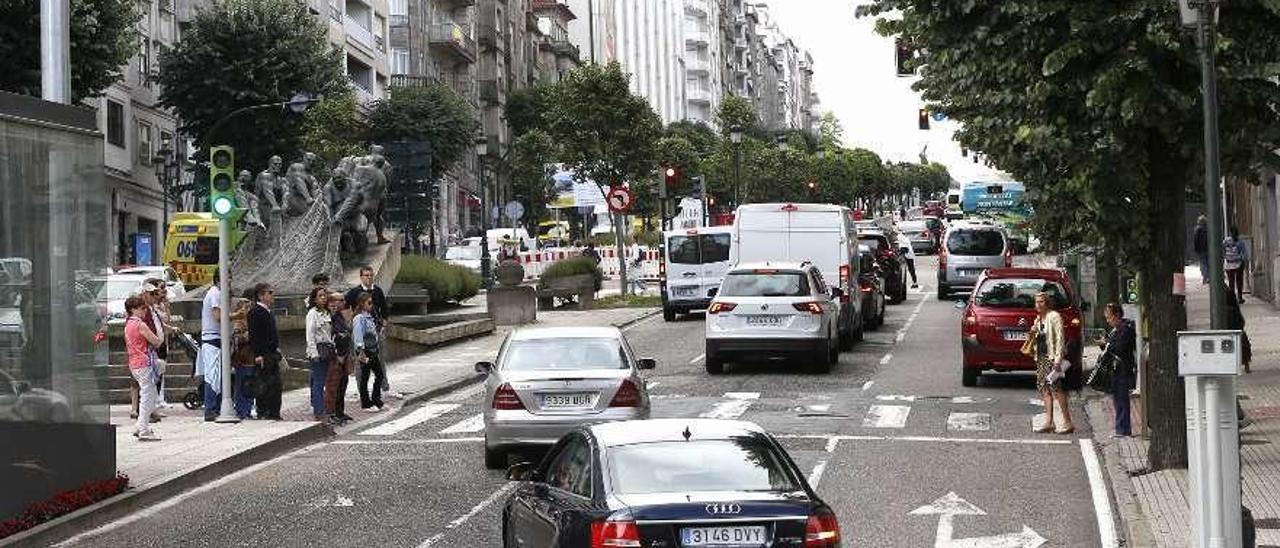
x=999 y=315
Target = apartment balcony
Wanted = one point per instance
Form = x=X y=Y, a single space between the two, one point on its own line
x=359 y=35
x=451 y=38
x=489 y=35
x=700 y=96
x=411 y=81
x=696 y=7
x=698 y=37
x=701 y=66
x=740 y=44
x=466 y=87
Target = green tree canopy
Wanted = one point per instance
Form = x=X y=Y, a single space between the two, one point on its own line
x=434 y=113
x=736 y=111
x=1094 y=105
x=335 y=128
x=527 y=108
x=240 y=53
x=531 y=173
x=103 y=39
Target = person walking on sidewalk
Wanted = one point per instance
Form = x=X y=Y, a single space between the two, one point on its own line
x=340 y=370
x=265 y=341
x=319 y=347
x=156 y=295
x=210 y=358
x=1051 y=364
x=1235 y=256
x=364 y=336
x=140 y=342
x=1200 y=239
x=1119 y=347
x=909 y=256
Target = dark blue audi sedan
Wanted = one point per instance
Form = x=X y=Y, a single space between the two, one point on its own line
x=666 y=483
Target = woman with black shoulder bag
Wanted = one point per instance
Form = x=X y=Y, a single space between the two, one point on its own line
x=1118 y=356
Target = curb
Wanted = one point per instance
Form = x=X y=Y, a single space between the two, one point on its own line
x=1133 y=522
x=96 y=515
x=638 y=319
x=442 y=389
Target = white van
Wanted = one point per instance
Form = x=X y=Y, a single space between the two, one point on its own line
x=693 y=265
x=819 y=233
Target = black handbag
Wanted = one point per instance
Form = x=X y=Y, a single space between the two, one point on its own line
x=326 y=351
x=1102 y=376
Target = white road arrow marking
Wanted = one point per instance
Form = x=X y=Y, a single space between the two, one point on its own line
x=951 y=505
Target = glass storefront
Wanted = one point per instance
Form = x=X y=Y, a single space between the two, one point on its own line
x=54 y=245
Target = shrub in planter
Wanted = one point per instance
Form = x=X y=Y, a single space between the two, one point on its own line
x=575 y=266
x=444 y=282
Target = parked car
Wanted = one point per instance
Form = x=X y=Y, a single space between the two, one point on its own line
x=774 y=309
x=111 y=291
x=871 y=285
x=918 y=233
x=891 y=265
x=999 y=314
x=668 y=482
x=466 y=256
x=173 y=283
x=693 y=265
x=821 y=234
x=548 y=381
x=967 y=250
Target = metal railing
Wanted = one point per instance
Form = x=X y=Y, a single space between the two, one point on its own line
x=358 y=33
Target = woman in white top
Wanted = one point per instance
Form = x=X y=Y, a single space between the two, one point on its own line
x=319 y=347
x=1050 y=340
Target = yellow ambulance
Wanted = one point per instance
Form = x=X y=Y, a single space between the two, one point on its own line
x=192 y=246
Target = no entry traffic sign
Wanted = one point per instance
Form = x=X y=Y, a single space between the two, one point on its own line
x=620 y=199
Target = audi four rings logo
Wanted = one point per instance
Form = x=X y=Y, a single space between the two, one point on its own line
x=724 y=508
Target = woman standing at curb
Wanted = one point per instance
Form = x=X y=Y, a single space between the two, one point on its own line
x=140 y=342
x=319 y=347
x=1051 y=364
x=340 y=370
x=1119 y=347
x=364 y=336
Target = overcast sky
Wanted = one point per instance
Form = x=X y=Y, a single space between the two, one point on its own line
x=856 y=79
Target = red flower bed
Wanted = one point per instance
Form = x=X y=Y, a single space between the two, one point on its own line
x=64 y=503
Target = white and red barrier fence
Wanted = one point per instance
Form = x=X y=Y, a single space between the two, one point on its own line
x=535 y=261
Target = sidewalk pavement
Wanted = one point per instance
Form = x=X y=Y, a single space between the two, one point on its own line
x=1153 y=505
x=192 y=452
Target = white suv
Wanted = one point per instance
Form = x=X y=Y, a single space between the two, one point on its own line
x=774 y=309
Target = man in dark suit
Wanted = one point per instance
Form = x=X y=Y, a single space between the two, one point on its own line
x=380 y=310
x=264 y=340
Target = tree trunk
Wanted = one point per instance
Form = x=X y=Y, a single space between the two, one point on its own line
x=1165 y=314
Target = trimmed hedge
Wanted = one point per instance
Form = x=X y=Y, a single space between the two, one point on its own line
x=445 y=282
x=573 y=267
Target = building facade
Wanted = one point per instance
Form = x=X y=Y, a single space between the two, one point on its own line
x=704 y=60
x=595 y=29
x=651 y=47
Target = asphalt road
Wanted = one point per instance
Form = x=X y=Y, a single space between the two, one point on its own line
x=890 y=439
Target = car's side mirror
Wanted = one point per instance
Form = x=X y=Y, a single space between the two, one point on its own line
x=484 y=367
x=960 y=304
x=520 y=471
x=714 y=291
x=646 y=363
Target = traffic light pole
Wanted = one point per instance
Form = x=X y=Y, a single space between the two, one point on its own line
x=1213 y=198
x=226 y=414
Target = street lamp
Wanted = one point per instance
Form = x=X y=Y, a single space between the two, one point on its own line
x=482 y=153
x=166 y=167
x=1202 y=15
x=735 y=137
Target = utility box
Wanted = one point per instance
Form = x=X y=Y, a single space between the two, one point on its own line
x=1209 y=352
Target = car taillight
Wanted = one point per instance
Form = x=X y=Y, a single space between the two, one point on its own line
x=717 y=308
x=970 y=319
x=822 y=530
x=662 y=270
x=865 y=286
x=810 y=307
x=505 y=398
x=627 y=396
x=942 y=259
x=844 y=273
x=607 y=533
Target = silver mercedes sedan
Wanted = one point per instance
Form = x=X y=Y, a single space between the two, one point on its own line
x=547 y=381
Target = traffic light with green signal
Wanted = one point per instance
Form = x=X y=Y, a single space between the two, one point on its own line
x=222 y=181
x=1130 y=290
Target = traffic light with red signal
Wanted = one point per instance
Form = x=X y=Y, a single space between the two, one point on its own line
x=812 y=187
x=671 y=175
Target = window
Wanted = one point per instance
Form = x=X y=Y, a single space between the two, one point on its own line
x=975 y=243
x=765 y=283
x=144 y=65
x=399 y=61
x=166 y=138
x=398 y=7
x=115 y=123
x=570 y=470
x=144 y=143
x=1020 y=293
x=704 y=249
x=565 y=354
x=737 y=464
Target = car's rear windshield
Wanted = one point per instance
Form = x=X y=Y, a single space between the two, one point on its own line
x=1019 y=293
x=975 y=242
x=912 y=226
x=747 y=463
x=698 y=248
x=765 y=283
x=874 y=244
x=564 y=353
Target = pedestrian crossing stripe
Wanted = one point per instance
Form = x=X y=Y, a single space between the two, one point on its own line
x=887 y=416
x=474 y=423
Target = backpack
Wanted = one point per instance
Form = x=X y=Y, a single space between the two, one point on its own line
x=1231 y=254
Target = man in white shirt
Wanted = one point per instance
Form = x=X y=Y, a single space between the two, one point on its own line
x=211 y=349
x=908 y=255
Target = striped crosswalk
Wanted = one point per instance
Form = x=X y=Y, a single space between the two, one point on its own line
x=883 y=413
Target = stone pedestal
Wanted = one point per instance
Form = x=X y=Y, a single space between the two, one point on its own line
x=516 y=305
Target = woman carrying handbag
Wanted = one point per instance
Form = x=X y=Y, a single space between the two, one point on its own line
x=1049 y=339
